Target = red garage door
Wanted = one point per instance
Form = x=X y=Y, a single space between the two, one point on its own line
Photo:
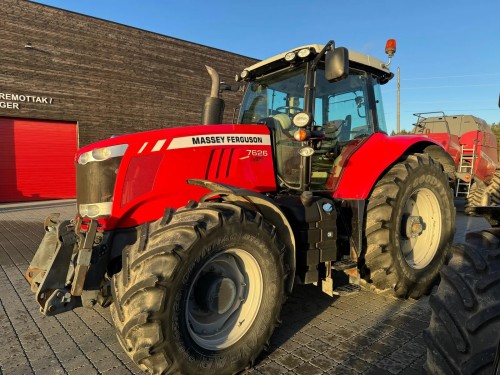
x=36 y=159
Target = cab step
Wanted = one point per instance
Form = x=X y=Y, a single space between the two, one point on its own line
x=344 y=264
x=346 y=290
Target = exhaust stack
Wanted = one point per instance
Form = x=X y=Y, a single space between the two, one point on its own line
x=213 y=108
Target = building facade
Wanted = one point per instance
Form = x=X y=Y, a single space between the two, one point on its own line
x=67 y=80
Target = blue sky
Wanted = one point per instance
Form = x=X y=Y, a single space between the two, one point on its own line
x=448 y=51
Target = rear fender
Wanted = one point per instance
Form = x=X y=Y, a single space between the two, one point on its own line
x=266 y=207
x=370 y=160
x=440 y=155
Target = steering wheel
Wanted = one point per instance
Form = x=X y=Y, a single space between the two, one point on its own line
x=287 y=108
x=360 y=133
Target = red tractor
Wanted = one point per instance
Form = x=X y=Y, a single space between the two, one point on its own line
x=195 y=235
x=472 y=149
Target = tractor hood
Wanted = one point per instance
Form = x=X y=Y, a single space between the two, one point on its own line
x=128 y=180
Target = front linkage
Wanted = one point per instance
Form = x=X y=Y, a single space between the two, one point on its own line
x=57 y=273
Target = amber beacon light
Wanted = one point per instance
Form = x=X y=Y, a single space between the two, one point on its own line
x=390 y=47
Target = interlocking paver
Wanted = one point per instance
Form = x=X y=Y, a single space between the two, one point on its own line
x=305 y=353
x=410 y=371
x=362 y=340
x=369 y=333
x=342 y=370
x=390 y=365
x=338 y=354
x=357 y=364
x=272 y=368
x=308 y=369
x=303 y=338
x=276 y=353
x=370 y=356
x=333 y=340
x=401 y=357
x=319 y=346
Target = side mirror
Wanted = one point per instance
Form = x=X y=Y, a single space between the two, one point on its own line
x=337 y=64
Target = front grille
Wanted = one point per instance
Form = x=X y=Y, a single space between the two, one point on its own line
x=95 y=181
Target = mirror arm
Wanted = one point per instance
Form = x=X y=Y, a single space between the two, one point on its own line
x=328 y=46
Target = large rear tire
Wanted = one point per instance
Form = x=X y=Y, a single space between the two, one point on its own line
x=410 y=223
x=475 y=198
x=494 y=188
x=202 y=293
x=463 y=334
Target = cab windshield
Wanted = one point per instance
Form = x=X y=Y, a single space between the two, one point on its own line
x=340 y=110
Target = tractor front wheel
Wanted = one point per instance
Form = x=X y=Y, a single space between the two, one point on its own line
x=201 y=293
x=410 y=223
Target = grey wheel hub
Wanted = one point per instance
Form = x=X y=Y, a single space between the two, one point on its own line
x=224 y=299
x=421 y=228
x=218 y=294
x=414 y=227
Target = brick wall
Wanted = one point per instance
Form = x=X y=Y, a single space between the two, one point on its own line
x=111 y=78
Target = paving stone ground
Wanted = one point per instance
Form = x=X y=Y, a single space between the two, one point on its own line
x=365 y=333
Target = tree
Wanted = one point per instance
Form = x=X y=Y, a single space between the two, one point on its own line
x=402 y=132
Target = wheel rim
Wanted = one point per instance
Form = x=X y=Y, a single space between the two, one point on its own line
x=224 y=299
x=421 y=228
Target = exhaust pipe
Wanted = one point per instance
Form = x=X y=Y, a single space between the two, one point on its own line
x=213 y=108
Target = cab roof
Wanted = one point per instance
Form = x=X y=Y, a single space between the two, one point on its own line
x=355 y=57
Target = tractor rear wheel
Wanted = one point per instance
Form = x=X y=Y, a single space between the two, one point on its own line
x=410 y=223
x=201 y=293
x=463 y=334
x=475 y=198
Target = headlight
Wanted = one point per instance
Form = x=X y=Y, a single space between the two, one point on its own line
x=244 y=74
x=306 y=151
x=301 y=119
x=95 y=209
x=100 y=154
x=290 y=56
x=84 y=158
x=303 y=53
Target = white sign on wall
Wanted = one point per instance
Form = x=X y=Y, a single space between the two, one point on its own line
x=14 y=101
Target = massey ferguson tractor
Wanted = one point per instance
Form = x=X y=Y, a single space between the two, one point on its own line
x=195 y=235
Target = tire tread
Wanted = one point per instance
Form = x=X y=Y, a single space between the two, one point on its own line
x=479 y=325
x=147 y=271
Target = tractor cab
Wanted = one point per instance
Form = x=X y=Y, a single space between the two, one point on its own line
x=316 y=99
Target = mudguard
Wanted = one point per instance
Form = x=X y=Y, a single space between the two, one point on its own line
x=356 y=177
x=262 y=204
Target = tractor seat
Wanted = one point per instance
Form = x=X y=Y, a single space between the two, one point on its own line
x=283 y=120
x=331 y=128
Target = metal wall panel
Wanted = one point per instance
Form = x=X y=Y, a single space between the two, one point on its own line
x=36 y=159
